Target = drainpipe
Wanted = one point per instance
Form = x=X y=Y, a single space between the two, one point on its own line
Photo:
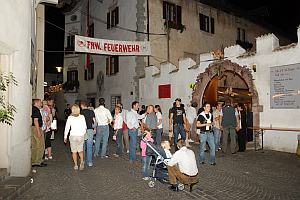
x=148 y=35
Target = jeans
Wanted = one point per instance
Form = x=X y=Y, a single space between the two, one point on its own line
x=132 y=143
x=101 y=136
x=178 y=129
x=88 y=147
x=217 y=135
x=119 y=142
x=159 y=133
x=146 y=160
x=209 y=138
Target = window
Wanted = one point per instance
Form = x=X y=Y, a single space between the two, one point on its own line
x=114 y=100
x=112 y=18
x=72 y=75
x=172 y=14
x=241 y=34
x=89 y=72
x=112 y=65
x=207 y=24
x=91 y=30
x=70 y=44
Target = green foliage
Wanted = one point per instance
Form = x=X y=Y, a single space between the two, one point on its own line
x=7 y=110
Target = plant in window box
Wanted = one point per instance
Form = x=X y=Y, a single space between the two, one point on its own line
x=71 y=85
x=7 y=110
x=174 y=25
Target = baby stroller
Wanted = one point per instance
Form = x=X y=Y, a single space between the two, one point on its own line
x=160 y=171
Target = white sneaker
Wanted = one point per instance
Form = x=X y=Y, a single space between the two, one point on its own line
x=75 y=167
x=146 y=178
x=46 y=158
x=50 y=157
x=90 y=164
x=190 y=140
x=127 y=151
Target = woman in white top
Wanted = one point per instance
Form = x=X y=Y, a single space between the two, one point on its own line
x=118 y=129
x=159 y=130
x=77 y=124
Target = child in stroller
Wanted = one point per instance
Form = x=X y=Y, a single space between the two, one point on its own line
x=160 y=171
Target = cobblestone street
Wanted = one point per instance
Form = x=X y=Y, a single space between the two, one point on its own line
x=249 y=175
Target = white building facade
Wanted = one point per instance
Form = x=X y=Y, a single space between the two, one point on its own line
x=177 y=29
x=21 y=52
x=255 y=71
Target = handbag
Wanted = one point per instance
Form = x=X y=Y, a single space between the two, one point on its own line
x=53 y=125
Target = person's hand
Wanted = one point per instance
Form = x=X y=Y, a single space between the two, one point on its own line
x=114 y=138
x=65 y=140
x=237 y=128
x=39 y=134
x=94 y=131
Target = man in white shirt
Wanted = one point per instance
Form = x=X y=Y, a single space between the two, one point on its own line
x=182 y=167
x=103 y=119
x=132 y=120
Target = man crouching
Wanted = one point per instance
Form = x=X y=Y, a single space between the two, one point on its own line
x=182 y=167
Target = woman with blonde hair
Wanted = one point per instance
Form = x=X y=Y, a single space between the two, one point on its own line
x=77 y=124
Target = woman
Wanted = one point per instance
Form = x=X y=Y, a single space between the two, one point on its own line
x=118 y=136
x=159 y=130
x=78 y=129
x=47 y=118
x=241 y=133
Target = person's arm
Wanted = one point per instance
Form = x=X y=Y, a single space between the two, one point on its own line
x=37 y=127
x=171 y=122
x=220 y=119
x=159 y=120
x=67 y=128
x=174 y=160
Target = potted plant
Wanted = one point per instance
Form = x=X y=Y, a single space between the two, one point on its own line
x=7 y=110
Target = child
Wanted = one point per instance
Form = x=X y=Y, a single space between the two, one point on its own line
x=166 y=147
x=118 y=136
x=146 y=159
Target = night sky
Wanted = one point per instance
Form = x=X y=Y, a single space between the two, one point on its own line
x=282 y=15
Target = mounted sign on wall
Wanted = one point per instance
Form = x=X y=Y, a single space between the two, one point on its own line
x=112 y=47
x=285 y=87
x=164 y=91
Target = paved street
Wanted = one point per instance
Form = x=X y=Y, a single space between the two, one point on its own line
x=249 y=175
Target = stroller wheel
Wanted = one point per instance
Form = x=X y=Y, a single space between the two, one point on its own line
x=180 y=186
x=151 y=184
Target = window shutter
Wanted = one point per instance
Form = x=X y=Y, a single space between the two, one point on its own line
x=178 y=13
x=76 y=75
x=107 y=65
x=92 y=71
x=116 y=64
x=108 y=20
x=86 y=74
x=69 y=76
x=164 y=10
x=117 y=15
x=238 y=34
x=212 y=25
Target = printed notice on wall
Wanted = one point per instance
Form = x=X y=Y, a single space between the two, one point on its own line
x=285 y=87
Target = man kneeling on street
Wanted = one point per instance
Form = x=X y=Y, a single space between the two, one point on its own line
x=182 y=167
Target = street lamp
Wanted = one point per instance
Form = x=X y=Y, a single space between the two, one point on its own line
x=59 y=69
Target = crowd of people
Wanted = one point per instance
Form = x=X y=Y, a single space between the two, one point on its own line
x=88 y=130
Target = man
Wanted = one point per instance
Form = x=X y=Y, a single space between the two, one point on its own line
x=37 y=135
x=182 y=167
x=177 y=121
x=216 y=127
x=90 y=120
x=132 y=119
x=103 y=119
x=204 y=123
x=229 y=123
x=124 y=127
x=151 y=121
x=191 y=115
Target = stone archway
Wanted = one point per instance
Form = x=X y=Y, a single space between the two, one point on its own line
x=217 y=69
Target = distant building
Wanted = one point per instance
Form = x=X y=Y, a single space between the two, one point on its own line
x=177 y=29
